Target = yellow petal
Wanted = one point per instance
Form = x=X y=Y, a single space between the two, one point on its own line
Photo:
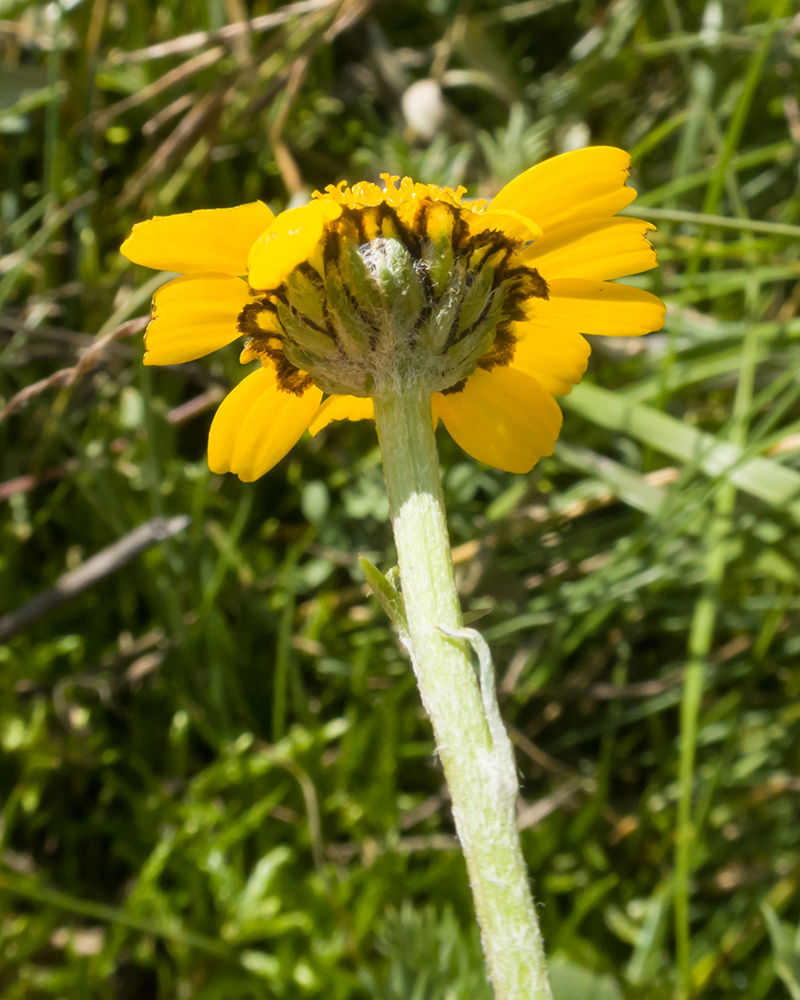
x=215 y=239
x=193 y=316
x=502 y=417
x=598 y=307
x=602 y=249
x=511 y=224
x=583 y=184
x=256 y=425
x=291 y=239
x=341 y=408
x=555 y=357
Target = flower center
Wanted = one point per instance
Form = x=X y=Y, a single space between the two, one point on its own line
x=403 y=287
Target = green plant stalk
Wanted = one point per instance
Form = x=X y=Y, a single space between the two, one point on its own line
x=701 y=638
x=470 y=738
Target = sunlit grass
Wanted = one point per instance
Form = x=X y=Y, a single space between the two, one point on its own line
x=216 y=779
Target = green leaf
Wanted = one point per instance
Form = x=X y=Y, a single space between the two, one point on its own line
x=760 y=477
x=571 y=981
x=386 y=592
x=785 y=951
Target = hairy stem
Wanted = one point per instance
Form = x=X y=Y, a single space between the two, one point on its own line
x=475 y=751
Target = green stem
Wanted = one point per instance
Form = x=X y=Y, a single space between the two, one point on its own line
x=473 y=746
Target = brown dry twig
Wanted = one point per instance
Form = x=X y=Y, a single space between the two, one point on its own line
x=290 y=172
x=66 y=376
x=198 y=120
x=532 y=813
x=347 y=15
x=24 y=484
x=100 y=119
x=168 y=112
x=197 y=39
x=96 y=568
x=197 y=405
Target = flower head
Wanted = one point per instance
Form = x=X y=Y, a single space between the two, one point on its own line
x=483 y=304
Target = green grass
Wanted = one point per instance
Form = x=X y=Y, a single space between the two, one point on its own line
x=216 y=778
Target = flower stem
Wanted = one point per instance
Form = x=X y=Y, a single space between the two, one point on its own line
x=473 y=746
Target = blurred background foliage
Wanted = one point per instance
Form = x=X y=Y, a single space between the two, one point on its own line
x=217 y=780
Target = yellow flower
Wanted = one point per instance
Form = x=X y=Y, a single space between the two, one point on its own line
x=486 y=304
